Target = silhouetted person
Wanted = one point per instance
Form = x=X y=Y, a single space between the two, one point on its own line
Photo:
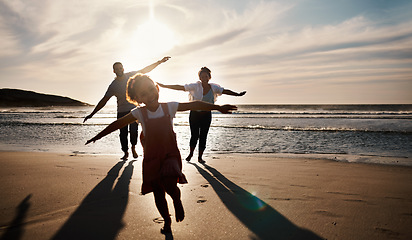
x=118 y=88
x=162 y=163
x=200 y=120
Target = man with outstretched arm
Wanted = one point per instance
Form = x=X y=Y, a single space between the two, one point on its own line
x=118 y=88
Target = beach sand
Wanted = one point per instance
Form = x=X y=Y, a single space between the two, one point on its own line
x=233 y=196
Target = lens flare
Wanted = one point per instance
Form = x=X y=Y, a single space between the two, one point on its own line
x=253 y=203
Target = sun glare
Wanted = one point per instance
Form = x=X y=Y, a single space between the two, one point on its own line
x=151 y=41
x=152 y=38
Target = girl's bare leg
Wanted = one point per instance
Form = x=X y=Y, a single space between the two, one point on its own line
x=171 y=188
x=161 y=204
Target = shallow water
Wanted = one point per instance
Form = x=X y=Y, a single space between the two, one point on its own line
x=356 y=133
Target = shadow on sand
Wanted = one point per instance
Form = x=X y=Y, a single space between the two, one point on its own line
x=15 y=229
x=100 y=214
x=259 y=217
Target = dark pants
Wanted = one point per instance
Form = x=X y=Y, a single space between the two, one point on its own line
x=124 y=132
x=199 y=127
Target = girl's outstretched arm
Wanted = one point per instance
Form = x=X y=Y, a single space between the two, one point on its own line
x=230 y=92
x=119 y=123
x=174 y=87
x=204 y=106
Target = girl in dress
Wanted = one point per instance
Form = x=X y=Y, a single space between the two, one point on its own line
x=162 y=163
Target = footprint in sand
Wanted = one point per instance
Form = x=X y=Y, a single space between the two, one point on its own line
x=204 y=185
x=201 y=199
x=158 y=220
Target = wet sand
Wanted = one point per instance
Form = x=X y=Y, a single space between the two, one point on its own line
x=232 y=196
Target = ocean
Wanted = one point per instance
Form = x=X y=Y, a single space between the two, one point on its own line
x=378 y=134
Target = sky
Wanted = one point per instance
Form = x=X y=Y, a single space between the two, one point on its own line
x=280 y=52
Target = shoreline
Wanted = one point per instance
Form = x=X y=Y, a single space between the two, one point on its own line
x=342 y=158
x=67 y=196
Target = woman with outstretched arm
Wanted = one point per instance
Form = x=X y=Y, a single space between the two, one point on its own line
x=200 y=120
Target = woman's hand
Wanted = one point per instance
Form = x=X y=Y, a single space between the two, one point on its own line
x=227 y=108
x=241 y=94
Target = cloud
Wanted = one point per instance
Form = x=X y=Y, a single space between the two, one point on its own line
x=205 y=43
x=357 y=53
x=18 y=23
x=343 y=46
x=217 y=26
x=55 y=27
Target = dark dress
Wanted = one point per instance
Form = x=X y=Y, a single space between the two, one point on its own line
x=161 y=156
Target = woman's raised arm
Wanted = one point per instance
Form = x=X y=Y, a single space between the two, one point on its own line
x=204 y=106
x=230 y=92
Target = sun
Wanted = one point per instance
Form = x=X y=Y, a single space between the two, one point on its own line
x=152 y=38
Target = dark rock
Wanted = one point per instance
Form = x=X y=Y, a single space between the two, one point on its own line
x=23 y=98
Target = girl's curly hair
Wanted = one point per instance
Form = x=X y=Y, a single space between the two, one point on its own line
x=133 y=85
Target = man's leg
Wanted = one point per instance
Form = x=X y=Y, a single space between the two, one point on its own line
x=123 y=137
x=133 y=137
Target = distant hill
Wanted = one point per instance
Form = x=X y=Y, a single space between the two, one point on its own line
x=22 y=98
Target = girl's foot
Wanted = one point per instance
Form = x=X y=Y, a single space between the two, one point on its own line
x=166 y=230
x=167 y=227
x=179 y=211
x=200 y=160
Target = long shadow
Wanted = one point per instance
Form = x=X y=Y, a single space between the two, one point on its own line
x=259 y=217
x=15 y=229
x=100 y=214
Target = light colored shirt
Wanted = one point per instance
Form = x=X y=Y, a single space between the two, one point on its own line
x=137 y=113
x=196 y=91
x=209 y=97
x=118 y=88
